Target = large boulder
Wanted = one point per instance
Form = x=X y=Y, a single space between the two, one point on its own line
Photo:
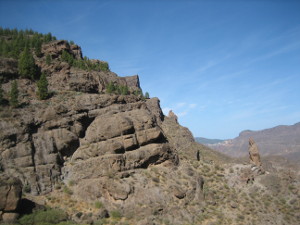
x=10 y=196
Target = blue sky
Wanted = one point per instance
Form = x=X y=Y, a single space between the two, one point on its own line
x=221 y=66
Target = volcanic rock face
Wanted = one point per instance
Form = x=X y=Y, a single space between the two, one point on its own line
x=115 y=149
x=254 y=153
x=116 y=128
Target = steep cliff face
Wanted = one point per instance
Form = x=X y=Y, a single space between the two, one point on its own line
x=97 y=155
x=113 y=149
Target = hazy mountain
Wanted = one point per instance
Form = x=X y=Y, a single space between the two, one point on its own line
x=205 y=141
x=282 y=140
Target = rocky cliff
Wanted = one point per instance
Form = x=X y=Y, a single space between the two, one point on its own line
x=106 y=148
x=108 y=158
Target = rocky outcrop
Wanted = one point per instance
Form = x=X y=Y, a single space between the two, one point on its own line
x=254 y=153
x=173 y=116
x=116 y=149
x=63 y=77
x=10 y=196
x=55 y=49
x=119 y=150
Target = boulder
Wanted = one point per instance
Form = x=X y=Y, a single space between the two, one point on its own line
x=10 y=196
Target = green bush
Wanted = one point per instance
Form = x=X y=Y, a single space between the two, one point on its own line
x=98 y=205
x=27 y=188
x=48 y=217
x=115 y=214
x=67 y=190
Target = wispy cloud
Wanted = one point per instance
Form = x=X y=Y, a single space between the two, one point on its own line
x=211 y=63
x=181 y=109
x=182 y=114
x=180 y=104
x=193 y=105
x=285 y=49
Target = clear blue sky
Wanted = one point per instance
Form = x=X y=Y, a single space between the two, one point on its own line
x=222 y=66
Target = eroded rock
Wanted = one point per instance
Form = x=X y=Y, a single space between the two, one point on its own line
x=254 y=153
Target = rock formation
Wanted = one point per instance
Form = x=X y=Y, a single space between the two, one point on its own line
x=254 y=153
x=173 y=116
x=97 y=155
x=10 y=196
x=114 y=149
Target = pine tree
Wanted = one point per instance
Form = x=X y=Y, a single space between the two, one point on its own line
x=110 y=88
x=124 y=90
x=27 y=67
x=42 y=87
x=147 y=95
x=1 y=93
x=14 y=94
x=48 y=59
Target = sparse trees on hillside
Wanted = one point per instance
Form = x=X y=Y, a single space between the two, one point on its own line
x=26 y=66
x=42 y=85
x=13 y=41
x=117 y=89
x=14 y=95
x=84 y=63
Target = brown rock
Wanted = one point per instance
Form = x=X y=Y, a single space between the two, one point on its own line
x=10 y=217
x=254 y=153
x=10 y=193
x=178 y=192
x=173 y=116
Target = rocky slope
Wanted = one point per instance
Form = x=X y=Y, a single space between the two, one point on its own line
x=116 y=159
x=281 y=141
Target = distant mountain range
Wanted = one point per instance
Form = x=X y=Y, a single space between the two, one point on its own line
x=281 y=140
x=206 y=141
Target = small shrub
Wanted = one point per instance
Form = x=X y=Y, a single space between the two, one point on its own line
x=67 y=190
x=50 y=216
x=71 y=182
x=116 y=214
x=98 y=205
x=27 y=188
x=100 y=222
